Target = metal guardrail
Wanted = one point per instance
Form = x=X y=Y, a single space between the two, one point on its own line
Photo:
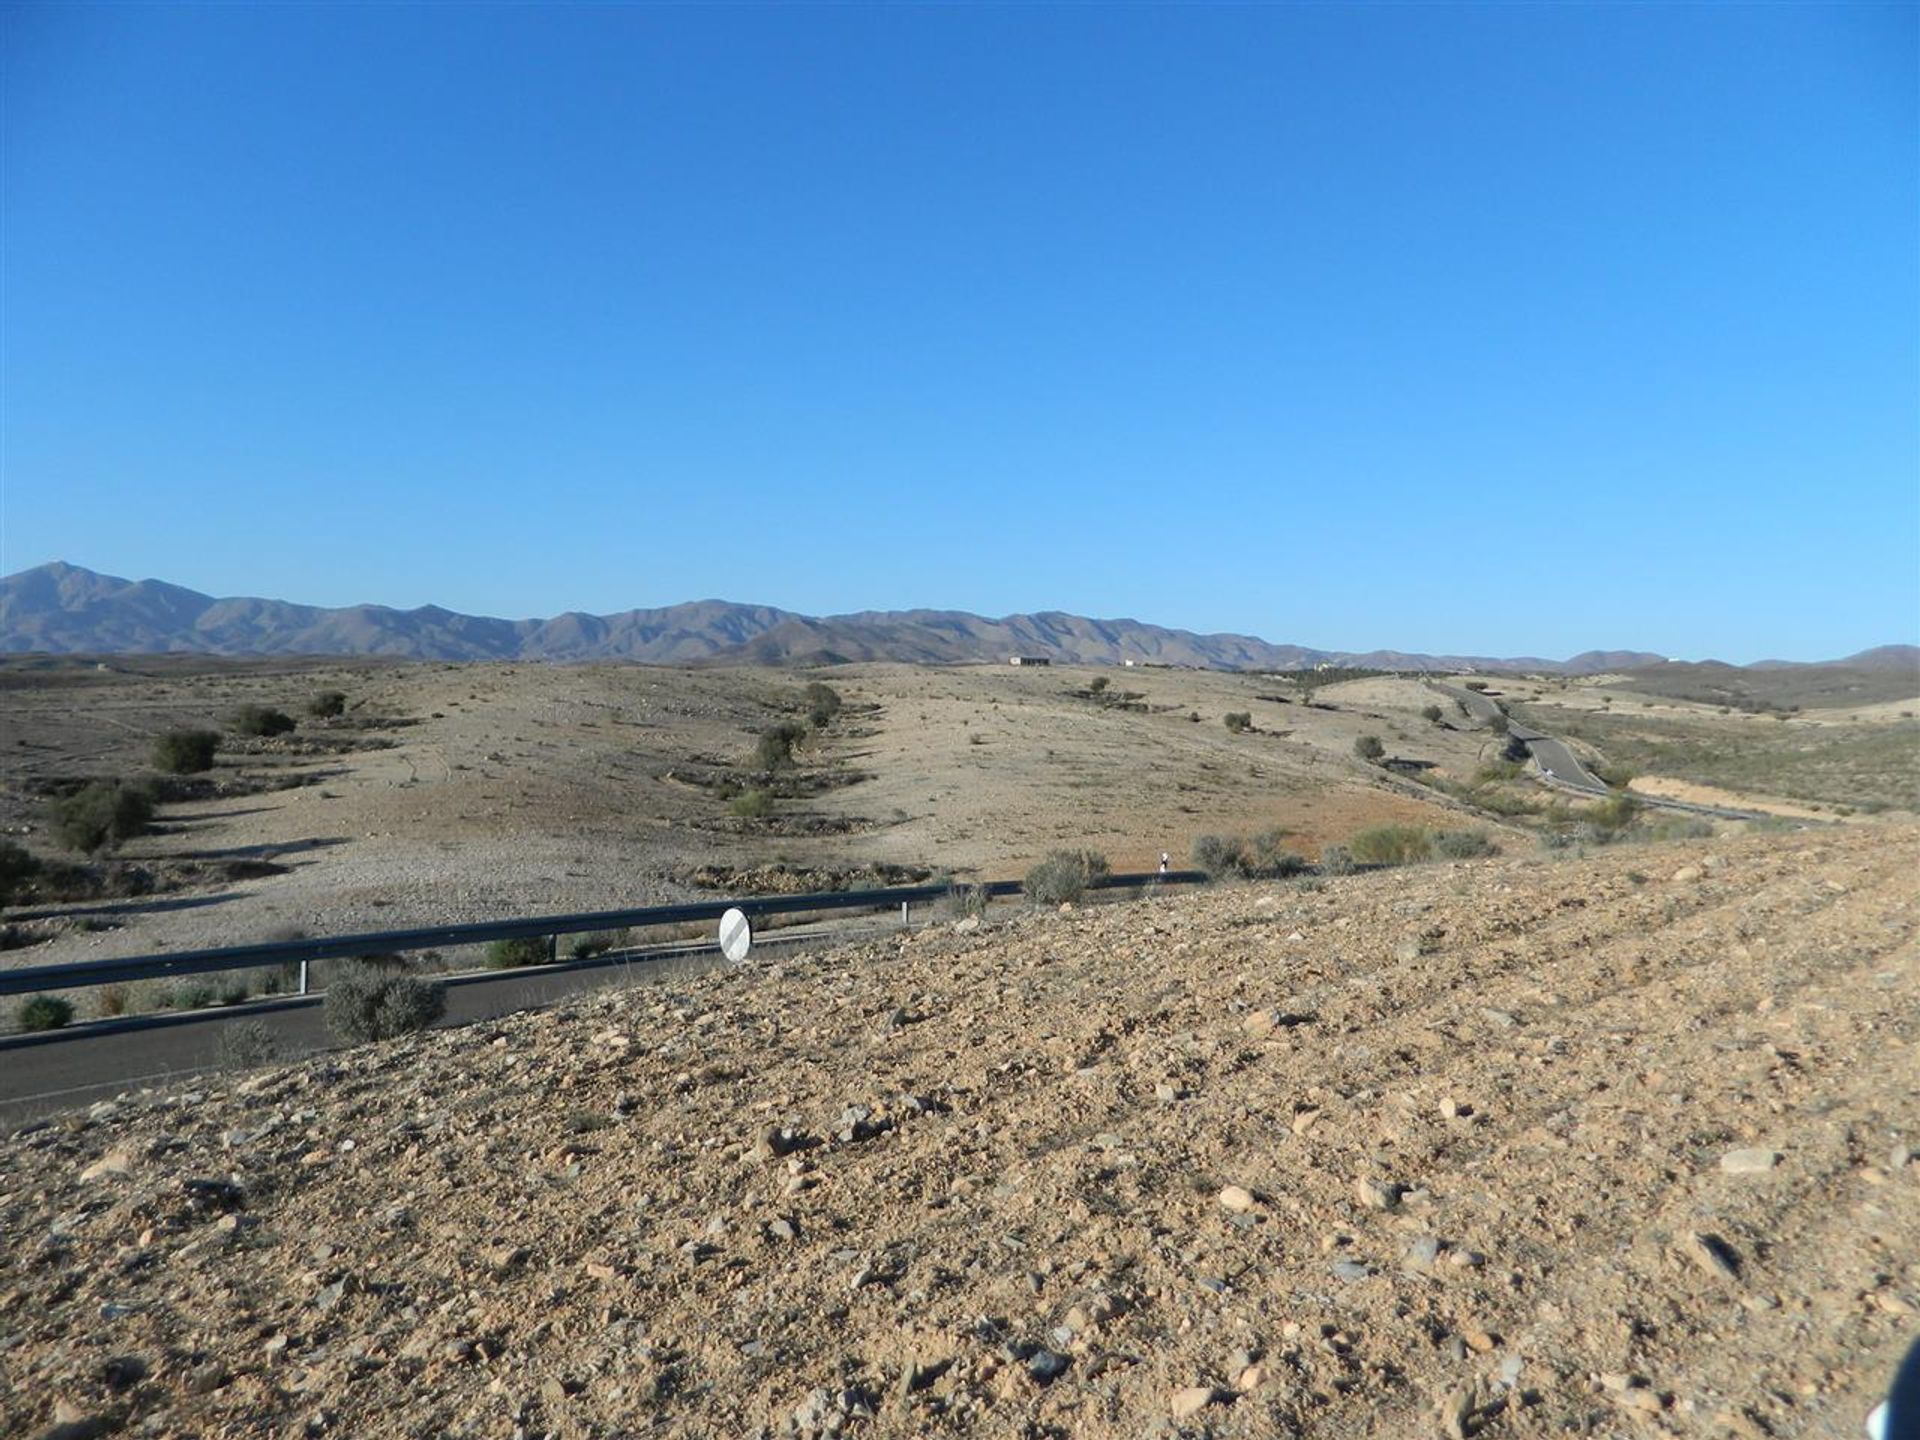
x=81 y=973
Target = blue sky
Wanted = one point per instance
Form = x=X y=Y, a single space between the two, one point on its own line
x=1507 y=329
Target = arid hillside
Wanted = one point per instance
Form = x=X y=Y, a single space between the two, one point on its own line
x=1513 y=1147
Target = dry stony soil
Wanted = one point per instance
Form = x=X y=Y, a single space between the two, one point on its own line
x=453 y=793
x=1513 y=1147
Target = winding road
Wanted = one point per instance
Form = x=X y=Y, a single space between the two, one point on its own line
x=1560 y=768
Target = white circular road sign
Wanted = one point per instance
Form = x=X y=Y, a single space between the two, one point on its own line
x=736 y=935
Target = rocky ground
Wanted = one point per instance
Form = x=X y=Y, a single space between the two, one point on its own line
x=1509 y=1147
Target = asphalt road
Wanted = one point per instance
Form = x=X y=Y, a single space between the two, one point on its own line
x=42 y=1075
x=1560 y=768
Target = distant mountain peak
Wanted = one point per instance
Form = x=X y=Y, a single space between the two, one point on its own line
x=65 y=608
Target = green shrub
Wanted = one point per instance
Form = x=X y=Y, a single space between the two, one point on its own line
x=1476 y=685
x=17 y=869
x=1614 y=813
x=185 y=752
x=370 y=1002
x=1097 y=684
x=962 y=899
x=1391 y=845
x=1464 y=844
x=1336 y=860
x=259 y=721
x=44 y=1012
x=1221 y=856
x=596 y=942
x=1238 y=721
x=327 y=704
x=823 y=703
x=1614 y=773
x=246 y=1045
x=1065 y=876
x=1368 y=747
x=99 y=815
x=774 y=749
x=516 y=952
x=1430 y=713
x=751 y=804
x=1269 y=855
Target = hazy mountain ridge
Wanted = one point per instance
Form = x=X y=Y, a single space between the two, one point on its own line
x=63 y=608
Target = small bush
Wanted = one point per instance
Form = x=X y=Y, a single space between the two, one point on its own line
x=596 y=942
x=1337 y=860
x=1430 y=713
x=962 y=899
x=370 y=1002
x=1476 y=685
x=112 y=1000
x=823 y=703
x=1615 y=813
x=100 y=815
x=1097 y=684
x=1065 y=876
x=246 y=1045
x=1238 y=721
x=327 y=704
x=1464 y=844
x=1221 y=856
x=17 y=870
x=185 y=752
x=751 y=804
x=1270 y=856
x=1369 y=748
x=44 y=1012
x=259 y=721
x=774 y=749
x=1615 y=774
x=1391 y=845
x=516 y=952
x=1499 y=724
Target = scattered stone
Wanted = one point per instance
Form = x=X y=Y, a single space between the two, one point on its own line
x=1749 y=1162
x=776 y=1142
x=966 y=926
x=1422 y=1251
x=1046 y=1366
x=1456 y=1410
x=1686 y=875
x=1237 y=1199
x=1250 y=1378
x=1374 y=1195
x=115 y=1162
x=1351 y=1270
x=1711 y=1254
x=1191 y=1401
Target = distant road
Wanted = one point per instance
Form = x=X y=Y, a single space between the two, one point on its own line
x=1560 y=768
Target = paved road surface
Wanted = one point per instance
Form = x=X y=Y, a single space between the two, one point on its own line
x=43 y=1075
x=1561 y=768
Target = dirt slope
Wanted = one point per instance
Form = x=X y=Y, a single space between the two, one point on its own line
x=1609 y=1146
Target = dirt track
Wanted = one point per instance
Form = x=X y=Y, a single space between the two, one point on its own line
x=1483 y=1114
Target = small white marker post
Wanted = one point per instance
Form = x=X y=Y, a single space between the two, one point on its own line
x=736 y=935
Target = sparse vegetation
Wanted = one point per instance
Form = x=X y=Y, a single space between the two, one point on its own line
x=1097 y=684
x=1238 y=721
x=17 y=870
x=597 y=942
x=1263 y=857
x=260 y=721
x=1430 y=713
x=753 y=804
x=774 y=749
x=520 y=950
x=823 y=703
x=100 y=815
x=327 y=704
x=1464 y=844
x=1369 y=748
x=185 y=752
x=1391 y=845
x=246 y=1045
x=372 y=1002
x=1337 y=860
x=963 y=899
x=1065 y=876
x=44 y=1012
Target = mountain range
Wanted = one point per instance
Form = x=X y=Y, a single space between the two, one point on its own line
x=65 y=609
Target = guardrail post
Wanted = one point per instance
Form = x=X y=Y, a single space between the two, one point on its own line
x=904 y=912
x=303 y=977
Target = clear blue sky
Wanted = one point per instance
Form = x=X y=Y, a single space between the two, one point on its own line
x=1507 y=329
